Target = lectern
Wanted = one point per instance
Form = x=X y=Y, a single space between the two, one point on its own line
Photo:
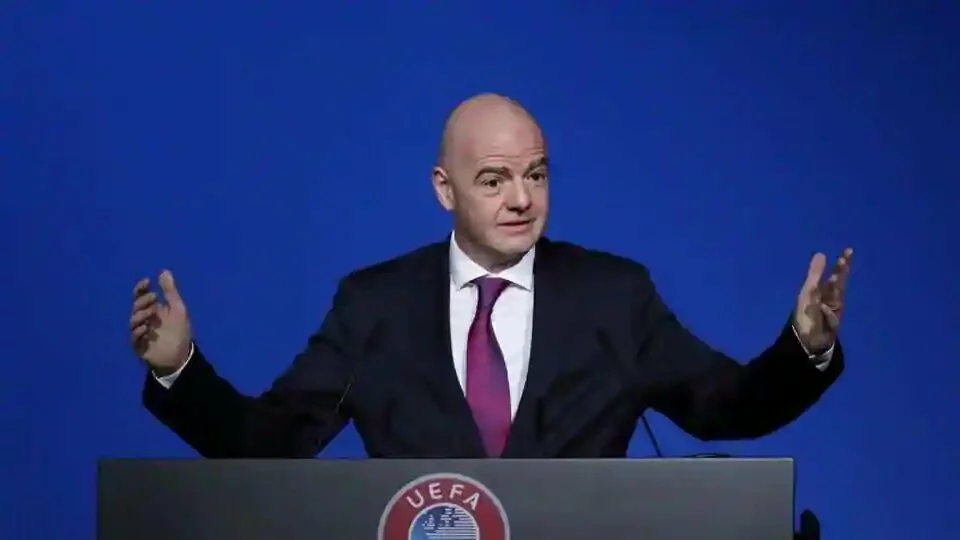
x=502 y=499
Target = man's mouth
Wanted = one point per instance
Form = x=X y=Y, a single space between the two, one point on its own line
x=518 y=224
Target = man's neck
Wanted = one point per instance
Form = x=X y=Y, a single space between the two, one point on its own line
x=500 y=266
x=490 y=262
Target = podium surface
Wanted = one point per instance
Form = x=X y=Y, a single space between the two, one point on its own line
x=457 y=499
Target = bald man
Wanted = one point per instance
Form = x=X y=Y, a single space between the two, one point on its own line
x=494 y=342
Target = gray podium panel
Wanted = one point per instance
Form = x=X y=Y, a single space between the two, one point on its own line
x=677 y=499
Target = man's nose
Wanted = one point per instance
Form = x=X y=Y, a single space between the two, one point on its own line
x=518 y=197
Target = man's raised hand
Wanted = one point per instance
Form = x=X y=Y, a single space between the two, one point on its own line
x=160 y=332
x=820 y=303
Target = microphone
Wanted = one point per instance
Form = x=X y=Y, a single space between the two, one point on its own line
x=369 y=347
x=649 y=430
x=608 y=348
x=809 y=527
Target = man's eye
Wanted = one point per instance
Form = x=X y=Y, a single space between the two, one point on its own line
x=538 y=176
x=492 y=181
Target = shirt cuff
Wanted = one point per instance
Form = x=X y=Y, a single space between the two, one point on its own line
x=820 y=361
x=167 y=380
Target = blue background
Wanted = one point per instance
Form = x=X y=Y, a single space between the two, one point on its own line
x=261 y=152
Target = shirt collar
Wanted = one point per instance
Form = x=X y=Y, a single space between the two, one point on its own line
x=463 y=270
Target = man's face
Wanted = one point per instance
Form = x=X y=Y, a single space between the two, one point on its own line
x=496 y=185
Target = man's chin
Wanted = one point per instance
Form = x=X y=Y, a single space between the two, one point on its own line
x=516 y=244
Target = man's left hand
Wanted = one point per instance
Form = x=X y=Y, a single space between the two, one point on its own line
x=820 y=303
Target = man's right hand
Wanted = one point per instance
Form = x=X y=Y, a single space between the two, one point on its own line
x=160 y=333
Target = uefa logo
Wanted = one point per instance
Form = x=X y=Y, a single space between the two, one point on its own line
x=444 y=507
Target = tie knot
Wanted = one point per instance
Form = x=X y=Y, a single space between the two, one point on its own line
x=490 y=288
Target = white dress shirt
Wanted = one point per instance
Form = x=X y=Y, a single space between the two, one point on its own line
x=512 y=316
x=512 y=319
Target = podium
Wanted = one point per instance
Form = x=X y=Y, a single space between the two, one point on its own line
x=455 y=499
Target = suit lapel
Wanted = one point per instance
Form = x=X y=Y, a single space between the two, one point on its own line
x=551 y=316
x=436 y=369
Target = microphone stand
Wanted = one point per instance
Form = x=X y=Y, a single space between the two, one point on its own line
x=809 y=527
x=809 y=524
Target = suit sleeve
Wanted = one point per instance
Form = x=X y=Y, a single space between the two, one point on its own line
x=296 y=417
x=714 y=397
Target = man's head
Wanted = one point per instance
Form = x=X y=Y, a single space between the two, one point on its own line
x=492 y=175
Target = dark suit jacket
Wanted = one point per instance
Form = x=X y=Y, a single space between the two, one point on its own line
x=604 y=348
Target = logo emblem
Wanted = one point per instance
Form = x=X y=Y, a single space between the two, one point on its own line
x=441 y=507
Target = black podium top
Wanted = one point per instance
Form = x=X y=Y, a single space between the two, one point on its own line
x=677 y=499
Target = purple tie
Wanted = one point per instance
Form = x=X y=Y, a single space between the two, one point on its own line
x=488 y=391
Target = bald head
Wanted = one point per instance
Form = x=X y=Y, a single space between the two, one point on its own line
x=481 y=118
x=491 y=174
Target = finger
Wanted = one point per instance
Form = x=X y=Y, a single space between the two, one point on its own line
x=141 y=338
x=141 y=287
x=138 y=332
x=145 y=301
x=842 y=268
x=830 y=291
x=142 y=316
x=814 y=273
x=830 y=317
x=169 y=288
x=836 y=283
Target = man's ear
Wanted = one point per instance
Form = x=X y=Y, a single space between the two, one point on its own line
x=443 y=188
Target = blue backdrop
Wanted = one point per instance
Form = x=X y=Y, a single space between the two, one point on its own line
x=261 y=152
